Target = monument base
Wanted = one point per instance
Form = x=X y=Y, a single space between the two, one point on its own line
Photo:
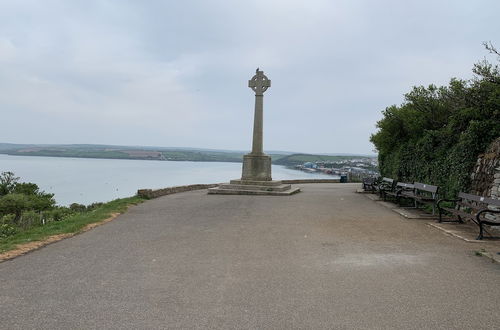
x=256 y=168
x=255 y=180
x=253 y=187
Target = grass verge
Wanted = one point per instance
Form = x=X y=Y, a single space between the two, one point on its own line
x=72 y=225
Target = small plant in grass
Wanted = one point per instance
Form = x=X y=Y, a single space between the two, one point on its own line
x=7 y=230
x=480 y=252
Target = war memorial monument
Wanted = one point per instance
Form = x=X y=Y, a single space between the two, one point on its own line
x=256 y=177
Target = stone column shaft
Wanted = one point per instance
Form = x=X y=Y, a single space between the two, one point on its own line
x=257 y=148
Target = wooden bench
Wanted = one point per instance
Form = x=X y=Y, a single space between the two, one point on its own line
x=369 y=184
x=471 y=207
x=422 y=193
x=400 y=188
x=385 y=185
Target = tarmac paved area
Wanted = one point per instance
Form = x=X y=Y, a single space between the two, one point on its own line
x=326 y=258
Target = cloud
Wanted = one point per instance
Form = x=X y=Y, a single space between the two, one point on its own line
x=175 y=73
x=7 y=50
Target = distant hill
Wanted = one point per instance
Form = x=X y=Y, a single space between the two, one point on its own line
x=155 y=153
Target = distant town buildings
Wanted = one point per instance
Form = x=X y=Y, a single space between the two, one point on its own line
x=354 y=169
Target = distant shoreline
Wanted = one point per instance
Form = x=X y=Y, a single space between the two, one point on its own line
x=114 y=158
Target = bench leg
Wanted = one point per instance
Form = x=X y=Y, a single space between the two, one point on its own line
x=480 y=237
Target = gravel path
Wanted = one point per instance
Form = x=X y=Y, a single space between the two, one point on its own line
x=326 y=258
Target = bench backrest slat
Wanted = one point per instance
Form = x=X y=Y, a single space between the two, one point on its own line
x=369 y=180
x=477 y=201
x=388 y=180
x=387 y=184
x=405 y=185
x=426 y=187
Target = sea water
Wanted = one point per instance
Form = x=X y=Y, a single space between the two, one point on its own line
x=88 y=180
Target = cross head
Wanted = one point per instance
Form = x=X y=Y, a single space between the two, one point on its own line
x=259 y=83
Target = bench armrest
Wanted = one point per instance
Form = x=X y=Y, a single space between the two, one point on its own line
x=478 y=215
x=382 y=186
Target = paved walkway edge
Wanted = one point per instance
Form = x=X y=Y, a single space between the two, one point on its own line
x=492 y=256
x=455 y=234
x=22 y=249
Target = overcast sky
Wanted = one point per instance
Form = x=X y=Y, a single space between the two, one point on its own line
x=175 y=73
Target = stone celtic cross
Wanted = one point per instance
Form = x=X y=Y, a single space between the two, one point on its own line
x=256 y=176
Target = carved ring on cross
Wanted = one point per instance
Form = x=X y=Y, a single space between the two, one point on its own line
x=259 y=83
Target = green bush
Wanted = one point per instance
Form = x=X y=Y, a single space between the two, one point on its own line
x=14 y=204
x=17 y=198
x=93 y=206
x=78 y=207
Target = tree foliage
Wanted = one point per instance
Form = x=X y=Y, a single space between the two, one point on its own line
x=436 y=135
x=17 y=197
x=7 y=182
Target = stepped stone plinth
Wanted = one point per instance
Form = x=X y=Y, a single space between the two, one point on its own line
x=242 y=187
x=256 y=177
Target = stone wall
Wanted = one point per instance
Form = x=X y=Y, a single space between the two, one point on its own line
x=311 y=181
x=486 y=174
x=486 y=177
x=150 y=193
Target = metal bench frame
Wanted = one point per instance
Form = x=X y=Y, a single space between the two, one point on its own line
x=385 y=185
x=370 y=184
